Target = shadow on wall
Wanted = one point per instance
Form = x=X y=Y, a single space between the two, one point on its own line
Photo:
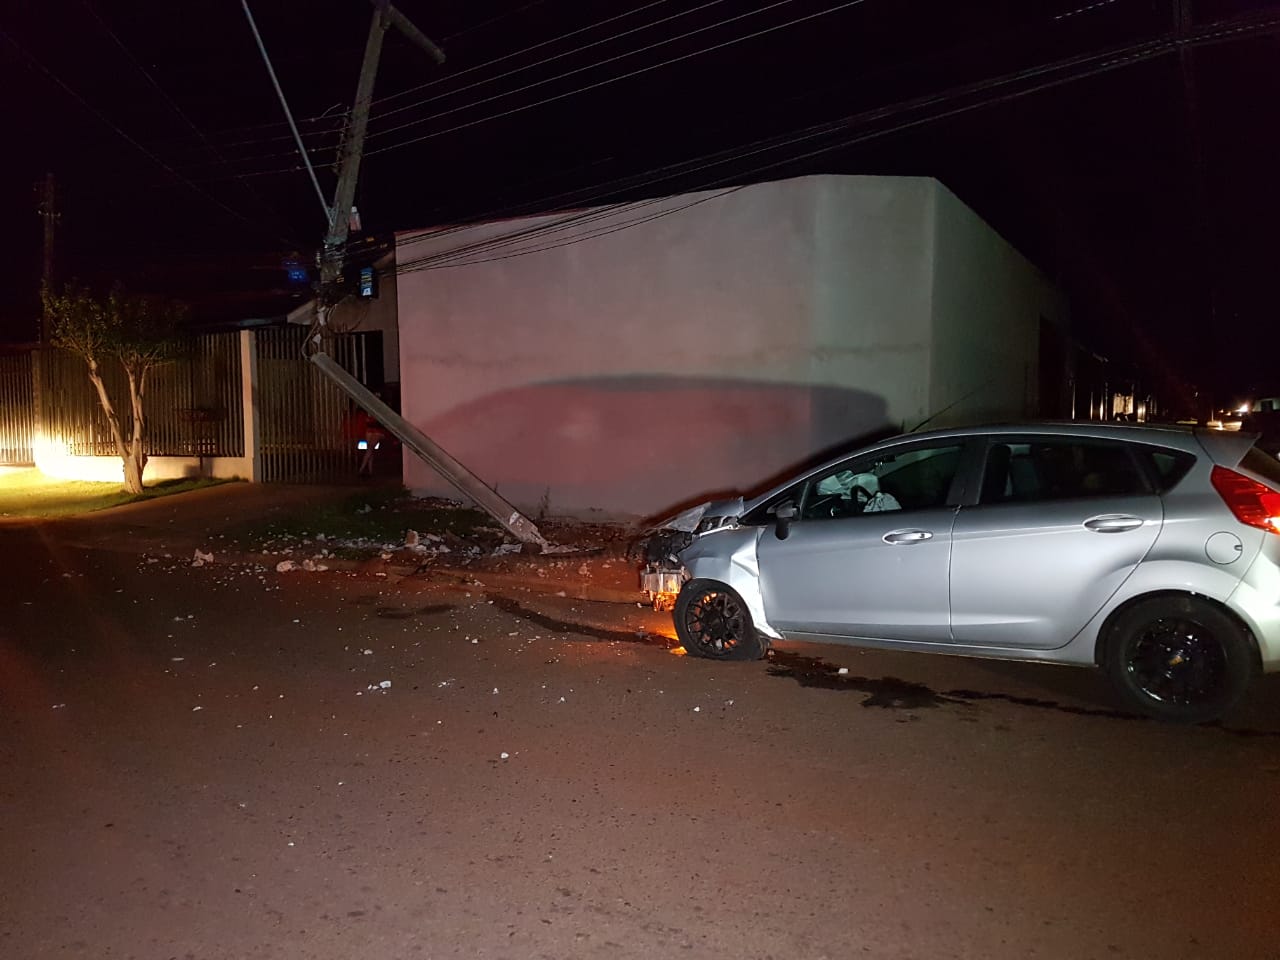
x=635 y=446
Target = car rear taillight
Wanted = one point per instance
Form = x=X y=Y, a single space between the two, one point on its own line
x=1252 y=502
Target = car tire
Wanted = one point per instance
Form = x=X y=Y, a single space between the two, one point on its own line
x=712 y=621
x=1179 y=659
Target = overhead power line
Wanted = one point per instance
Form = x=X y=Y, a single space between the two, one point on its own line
x=446 y=261
x=622 y=56
x=172 y=104
x=599 y=83
x=557 y=77
x=574 y=51
x=1069 y=71
x=335 y=123
x=30 y=58
x=460 y=73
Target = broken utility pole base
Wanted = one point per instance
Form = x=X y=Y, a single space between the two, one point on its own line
x=462 y=479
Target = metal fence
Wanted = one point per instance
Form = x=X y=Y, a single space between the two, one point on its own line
x=193 y=403
x=303 y=416
x=17 y=410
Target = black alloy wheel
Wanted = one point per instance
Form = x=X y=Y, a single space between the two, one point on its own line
x=1179 y=662
x=712 y=621
x=1182 y=659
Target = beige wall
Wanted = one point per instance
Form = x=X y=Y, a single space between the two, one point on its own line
x=872 y=276
x=111 y=469
x=987 y=303
x=720 y=342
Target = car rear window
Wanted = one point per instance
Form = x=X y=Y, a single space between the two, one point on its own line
x=1263 y=464
x=1167 y=467
x=1043 y=469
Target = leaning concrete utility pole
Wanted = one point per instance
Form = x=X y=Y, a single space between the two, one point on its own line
x=333 y=263
x=333 y=258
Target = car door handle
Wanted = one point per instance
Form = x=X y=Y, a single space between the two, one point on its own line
x=1113 y=523
x=907 y=536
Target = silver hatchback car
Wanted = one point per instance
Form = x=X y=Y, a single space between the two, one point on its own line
x=1152 y=553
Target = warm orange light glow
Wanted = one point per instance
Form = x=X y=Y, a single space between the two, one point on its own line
x=54 y=459
x=678 y=651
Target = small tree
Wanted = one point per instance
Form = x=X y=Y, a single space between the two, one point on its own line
x=138 y=333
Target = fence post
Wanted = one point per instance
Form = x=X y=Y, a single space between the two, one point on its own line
x=37 y=400
x=249 y=404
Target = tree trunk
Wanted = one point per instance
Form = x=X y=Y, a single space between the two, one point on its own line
x=133 y=473
x=132 y=469
x=136 y=462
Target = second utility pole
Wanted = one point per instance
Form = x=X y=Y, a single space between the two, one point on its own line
x=49 y=213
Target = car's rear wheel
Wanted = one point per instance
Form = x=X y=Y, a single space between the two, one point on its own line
x=712 y=621
x=1179 y=659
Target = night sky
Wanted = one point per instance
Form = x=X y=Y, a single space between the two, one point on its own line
x=1138 y=172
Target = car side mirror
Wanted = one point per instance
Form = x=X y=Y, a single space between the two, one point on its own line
x=784 y=513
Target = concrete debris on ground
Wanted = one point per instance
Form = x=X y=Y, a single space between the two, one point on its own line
x=586 y=560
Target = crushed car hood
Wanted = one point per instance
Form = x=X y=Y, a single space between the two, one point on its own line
x=687 y=520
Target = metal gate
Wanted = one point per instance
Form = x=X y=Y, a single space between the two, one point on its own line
x=303 y=417
x=17 y=410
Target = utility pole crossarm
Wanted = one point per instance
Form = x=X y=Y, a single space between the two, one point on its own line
x=405 y=26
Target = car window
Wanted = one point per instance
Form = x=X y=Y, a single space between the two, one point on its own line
x=914 y=479
x=1263 y=464
x=1166 y=466
x=1058 y=469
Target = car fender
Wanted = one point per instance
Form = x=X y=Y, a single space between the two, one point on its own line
x=729 y=557
x=1154 y=577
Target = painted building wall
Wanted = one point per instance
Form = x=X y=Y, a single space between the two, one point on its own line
x=871 y=323
x=987 y=305
x=632 y=359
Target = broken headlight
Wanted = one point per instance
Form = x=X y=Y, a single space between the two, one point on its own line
x=712 y=524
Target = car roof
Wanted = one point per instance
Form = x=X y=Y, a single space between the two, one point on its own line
x=1222 y=446
x=1226 y=447
x=1175 y=434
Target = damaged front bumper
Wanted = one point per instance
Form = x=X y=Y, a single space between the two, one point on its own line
x=661 y=587
x=663 y=574
x=706 y=543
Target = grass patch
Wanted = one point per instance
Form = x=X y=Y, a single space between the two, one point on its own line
x=30 y=494
x=381 y=516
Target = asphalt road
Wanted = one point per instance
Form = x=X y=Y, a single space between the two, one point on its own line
x=202 y=763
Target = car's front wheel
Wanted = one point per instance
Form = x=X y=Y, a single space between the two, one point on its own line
x=1179 y=659
x=712 y=621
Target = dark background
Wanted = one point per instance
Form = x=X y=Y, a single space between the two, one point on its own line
x=1140 y=175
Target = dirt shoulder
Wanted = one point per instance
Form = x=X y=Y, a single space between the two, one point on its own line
x=375 y=530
